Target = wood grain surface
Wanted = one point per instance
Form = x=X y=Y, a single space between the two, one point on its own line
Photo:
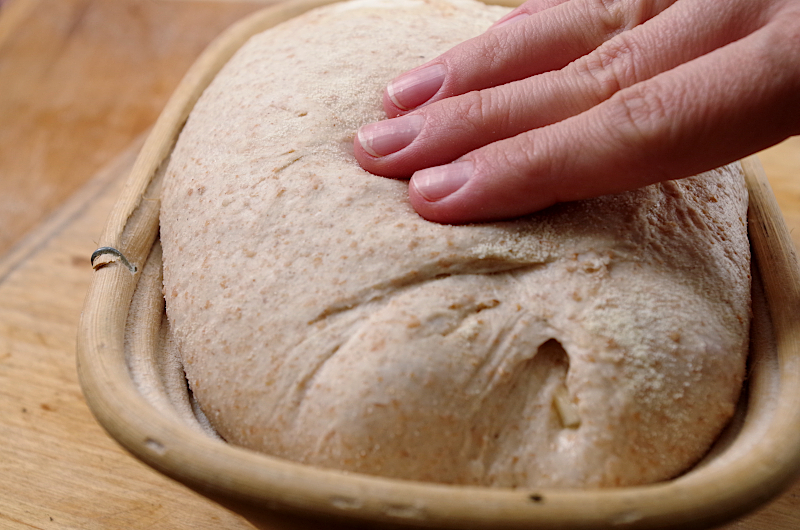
x=80 y=80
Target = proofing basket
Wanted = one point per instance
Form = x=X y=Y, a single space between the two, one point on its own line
x=120 y=330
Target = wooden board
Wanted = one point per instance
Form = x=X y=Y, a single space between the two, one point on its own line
x=80 y=79
x=782 y=165
x=58 y=468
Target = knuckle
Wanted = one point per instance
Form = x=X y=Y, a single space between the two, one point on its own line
x=478 y=58
x=472 y=111
x=609 y=68
x=492 y=50
x=609 y=14
x=638 y=116
x=617 y=16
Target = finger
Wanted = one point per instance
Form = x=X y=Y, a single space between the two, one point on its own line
x=546 y=40
x=448 y=129
x=708 y=112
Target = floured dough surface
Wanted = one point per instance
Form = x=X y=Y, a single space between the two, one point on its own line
x=322 y=320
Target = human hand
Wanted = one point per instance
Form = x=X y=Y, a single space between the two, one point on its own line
x=569 y=99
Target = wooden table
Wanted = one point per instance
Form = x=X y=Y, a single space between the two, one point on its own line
x=79 y=81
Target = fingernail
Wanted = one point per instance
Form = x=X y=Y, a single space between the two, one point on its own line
x=389 y=136
x=510 y=20
x=438 y=182
x=415 y=88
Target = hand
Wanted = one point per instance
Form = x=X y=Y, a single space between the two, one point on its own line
x=569 y=99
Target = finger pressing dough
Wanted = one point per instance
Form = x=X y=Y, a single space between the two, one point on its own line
x=320 y=319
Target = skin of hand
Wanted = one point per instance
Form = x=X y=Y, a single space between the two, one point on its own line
x=564 y=100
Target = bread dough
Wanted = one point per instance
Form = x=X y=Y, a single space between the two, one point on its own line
x=322 y=320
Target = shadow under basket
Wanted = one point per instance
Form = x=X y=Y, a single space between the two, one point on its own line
x=135 y=386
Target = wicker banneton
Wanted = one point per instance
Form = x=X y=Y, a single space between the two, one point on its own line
x=145 y=406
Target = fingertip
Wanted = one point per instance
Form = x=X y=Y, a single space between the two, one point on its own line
x=392 y=166
x=431 y=191
x=437 y=183
x=475 y=190
x=442 y=194
x=363 y=158
x=391 y=110
x=434 y=211
x=414 y=88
